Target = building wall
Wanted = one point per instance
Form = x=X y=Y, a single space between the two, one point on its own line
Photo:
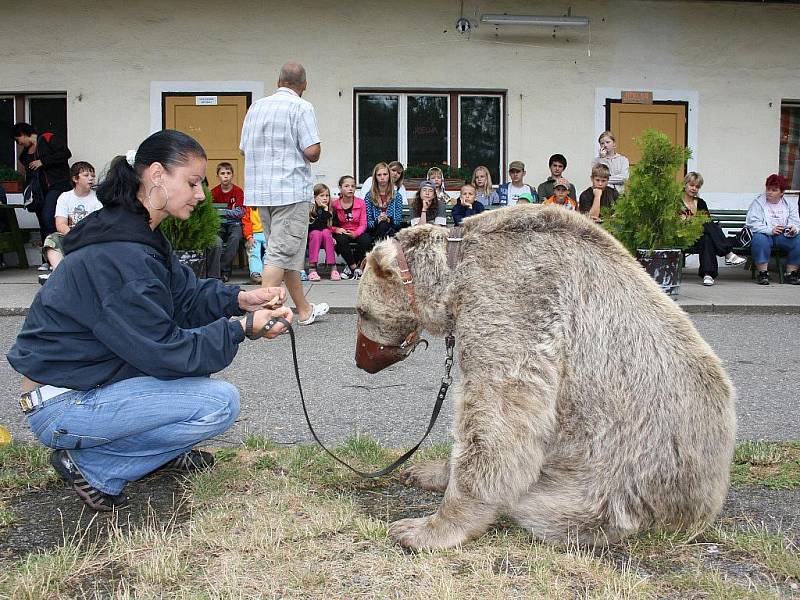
x=737 y=58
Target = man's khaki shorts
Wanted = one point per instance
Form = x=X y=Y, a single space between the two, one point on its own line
x=286 y=229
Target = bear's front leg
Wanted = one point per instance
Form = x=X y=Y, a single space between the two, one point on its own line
x=457 y=521
x=498 y=453
x=431 y=475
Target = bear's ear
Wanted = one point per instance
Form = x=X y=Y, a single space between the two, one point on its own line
x=381 y=260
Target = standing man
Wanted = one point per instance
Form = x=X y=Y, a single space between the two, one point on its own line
x=557 y=164
x=280 y=140
x=44 y=156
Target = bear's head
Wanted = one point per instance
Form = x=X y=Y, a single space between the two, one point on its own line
x=391 y=312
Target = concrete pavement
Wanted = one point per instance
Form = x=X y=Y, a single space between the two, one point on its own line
x=734 y=292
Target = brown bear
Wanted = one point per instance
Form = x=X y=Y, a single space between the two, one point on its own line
x=589 y=408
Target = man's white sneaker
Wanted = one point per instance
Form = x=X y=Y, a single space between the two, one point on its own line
x=317 y=310
x=735 y=259
x=708 y=280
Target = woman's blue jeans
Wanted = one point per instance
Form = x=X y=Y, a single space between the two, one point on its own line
x=762 y=247
x=123 y=431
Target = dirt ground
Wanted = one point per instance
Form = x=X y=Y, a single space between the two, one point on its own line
x=45 y=518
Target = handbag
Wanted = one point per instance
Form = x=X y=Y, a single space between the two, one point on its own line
x=33 y=195
x=744 y=238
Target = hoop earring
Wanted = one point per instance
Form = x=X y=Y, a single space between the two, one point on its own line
x=163 y=190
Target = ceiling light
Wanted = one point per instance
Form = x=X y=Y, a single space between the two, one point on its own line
x=535 y=20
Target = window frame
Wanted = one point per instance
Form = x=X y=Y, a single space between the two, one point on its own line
x=786 y=103
x=453 y=120
x=22 y=107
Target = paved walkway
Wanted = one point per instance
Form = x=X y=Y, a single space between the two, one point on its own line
x=733 y=292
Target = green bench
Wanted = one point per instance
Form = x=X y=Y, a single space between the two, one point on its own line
x=732 y=221
x=14 y=239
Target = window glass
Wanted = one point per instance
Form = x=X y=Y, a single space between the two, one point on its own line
x=377 y=131
x=49 y=114
x=427 y=131
x=480 y=133
x=790 y=144
x=7 y=144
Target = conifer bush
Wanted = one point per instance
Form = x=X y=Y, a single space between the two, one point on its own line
x=198 y=232
x=648 y=214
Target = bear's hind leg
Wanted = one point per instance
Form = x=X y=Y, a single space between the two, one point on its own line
x=560 y=512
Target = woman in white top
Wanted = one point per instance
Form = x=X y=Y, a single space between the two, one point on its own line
x=397 y=173
x=617 y=164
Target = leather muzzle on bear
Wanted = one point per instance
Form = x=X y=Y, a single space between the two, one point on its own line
x=373 y=357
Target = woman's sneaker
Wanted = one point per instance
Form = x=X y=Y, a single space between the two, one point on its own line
x=303 y=275
x=793 y=277
x=735 y=259
x=255 y=278
x=762 y=278
x=347 y=273
x=313 y=276
x=91 y=496
x=708 y=280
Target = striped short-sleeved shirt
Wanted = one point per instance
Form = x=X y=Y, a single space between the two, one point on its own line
x=276 y=131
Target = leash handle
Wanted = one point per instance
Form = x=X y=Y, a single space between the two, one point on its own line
x=437 y=407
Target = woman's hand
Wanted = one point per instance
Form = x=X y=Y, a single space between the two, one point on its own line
x=250 y=243
x=260 y=298
x=777 y=230
x=261 y=319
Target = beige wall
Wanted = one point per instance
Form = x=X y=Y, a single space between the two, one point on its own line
x=737 y=58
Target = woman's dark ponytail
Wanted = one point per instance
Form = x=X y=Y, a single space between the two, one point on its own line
x=120 y=184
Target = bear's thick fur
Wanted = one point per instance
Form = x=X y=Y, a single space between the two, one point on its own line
x=589 y=407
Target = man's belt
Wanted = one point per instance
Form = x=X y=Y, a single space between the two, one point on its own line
x=28 y=401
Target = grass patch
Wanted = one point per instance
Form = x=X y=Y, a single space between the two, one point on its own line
x=773 y=465
x=269 y=521
x=24 y=466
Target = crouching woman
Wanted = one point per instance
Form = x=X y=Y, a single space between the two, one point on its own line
x=118 y=346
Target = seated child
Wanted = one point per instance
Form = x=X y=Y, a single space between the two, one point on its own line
x=482 y=182
x=436 y=177
x=231 y=228
x=560 y=195
x=524 y=198
x=71 y=207
x=255 y=242
x=466 y=205
x=599 y=195
x=426 y=207
x=320 y=234
x=350 y=224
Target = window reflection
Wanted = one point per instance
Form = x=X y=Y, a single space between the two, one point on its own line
x=480 y=133
x=427 y=130
x=377 y=131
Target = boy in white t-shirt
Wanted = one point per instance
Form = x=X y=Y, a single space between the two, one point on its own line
x=509 y=193
x=71 y=207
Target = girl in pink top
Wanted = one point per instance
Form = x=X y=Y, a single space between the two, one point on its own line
x=349 y=227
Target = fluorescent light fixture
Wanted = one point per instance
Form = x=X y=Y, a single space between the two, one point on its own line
x=535 y=20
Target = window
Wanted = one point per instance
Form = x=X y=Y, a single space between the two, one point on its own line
x=423 y=129
x=7 y=158
x=46 y=112
x=790 y=143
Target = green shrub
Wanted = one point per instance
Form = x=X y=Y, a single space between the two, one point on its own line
x=9 y=174
x=198 y=232
x=647 y=215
